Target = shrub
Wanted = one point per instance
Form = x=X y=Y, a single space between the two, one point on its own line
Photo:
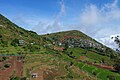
x=15 y=42
x=117 y=66
x=7 y=65
x=111 y=77
x=0 y=36
x=95 y=73
x=5 y=43
x=15 y=78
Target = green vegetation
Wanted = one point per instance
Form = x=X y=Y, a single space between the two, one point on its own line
x=7 y=65
x=71 y=55
x=58 y=62
x=17 y=78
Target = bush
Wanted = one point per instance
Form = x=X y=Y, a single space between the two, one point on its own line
x=95 y=73
x=0 y=36
x=15 y=78
x=15 y=42
x=7 y=65
x=32 y=32
x=33 y=48
x=5 y=43
x=2 y=59
x=111 y=77
x=24 y=78
x=117 y=66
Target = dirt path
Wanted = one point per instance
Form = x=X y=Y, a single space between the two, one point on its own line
x=15 y=69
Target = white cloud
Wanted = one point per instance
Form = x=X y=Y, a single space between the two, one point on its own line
x=108 y=41
x=62 y=9
x=53 y=25
x=40 y=24
x=92 y=15
x=102 y=22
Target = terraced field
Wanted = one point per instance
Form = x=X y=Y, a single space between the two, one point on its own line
x=53 y=67
x=11 y=66
x=95 y=68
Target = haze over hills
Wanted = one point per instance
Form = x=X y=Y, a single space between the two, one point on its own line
x=67 y=55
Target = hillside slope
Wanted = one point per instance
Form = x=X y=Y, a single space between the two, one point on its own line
x=10 y=33
x=9 y=30
x=13 y=37
x=62 y=52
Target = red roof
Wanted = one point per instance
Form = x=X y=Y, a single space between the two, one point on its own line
x=59 y=48
x=66 y=37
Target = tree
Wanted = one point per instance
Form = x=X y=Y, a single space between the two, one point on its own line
x=117 y=64
x=117 y=40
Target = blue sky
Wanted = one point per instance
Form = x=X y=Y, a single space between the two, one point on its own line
x=97 y=18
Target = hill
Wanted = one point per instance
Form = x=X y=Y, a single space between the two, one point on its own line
x=10 y=30
x=67 y=55
x=13 y=36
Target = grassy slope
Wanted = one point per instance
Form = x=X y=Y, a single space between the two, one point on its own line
x=58 y=62
x=91 y=57
x=60 y=35
x=10 y=31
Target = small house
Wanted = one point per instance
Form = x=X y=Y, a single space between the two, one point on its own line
x=34 y=75
x=21 y=42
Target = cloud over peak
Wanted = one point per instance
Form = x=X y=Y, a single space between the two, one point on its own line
x=92 y=15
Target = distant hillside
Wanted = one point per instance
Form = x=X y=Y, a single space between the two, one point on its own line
x=10 y=31
x=72 y=53
x=75 y=38
x=74 y=33
x=12 y=36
